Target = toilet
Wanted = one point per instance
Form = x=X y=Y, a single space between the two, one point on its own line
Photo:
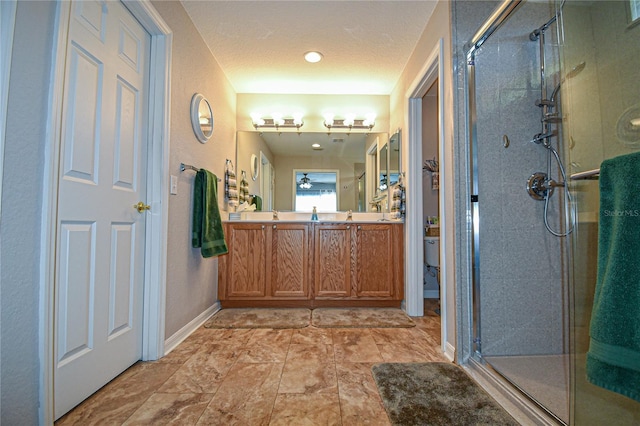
x=432 y=251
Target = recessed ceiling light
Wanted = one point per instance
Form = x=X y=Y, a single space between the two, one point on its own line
x=315 y=145
x=313 y=57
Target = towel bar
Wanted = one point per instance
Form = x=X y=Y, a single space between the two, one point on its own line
x=184 y=167
x=588 y=175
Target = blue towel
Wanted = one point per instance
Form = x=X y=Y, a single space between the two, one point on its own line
x=613 y=360
x=207 y=232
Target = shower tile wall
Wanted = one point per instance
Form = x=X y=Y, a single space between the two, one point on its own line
x=521 y=271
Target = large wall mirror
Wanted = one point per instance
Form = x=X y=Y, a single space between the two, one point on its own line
x=283 y=153
x=394 y=158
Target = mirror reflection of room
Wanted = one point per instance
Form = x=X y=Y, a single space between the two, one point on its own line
x=285 y=156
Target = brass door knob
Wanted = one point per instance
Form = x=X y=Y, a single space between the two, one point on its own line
x=141 y=207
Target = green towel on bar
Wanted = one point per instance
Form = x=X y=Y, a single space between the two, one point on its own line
x=258 y=202
x=613 y=360
x=207 y=224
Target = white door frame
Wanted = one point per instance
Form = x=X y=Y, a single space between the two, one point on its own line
x=157 y=193
x=432 y=69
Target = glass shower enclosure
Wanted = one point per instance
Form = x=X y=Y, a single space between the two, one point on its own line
x=548 y=83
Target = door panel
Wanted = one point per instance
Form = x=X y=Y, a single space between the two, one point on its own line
x=100 y=248
x=290 y=261
x=332 y=261
x=374 y=268
x=84 y=96
x=75 y=289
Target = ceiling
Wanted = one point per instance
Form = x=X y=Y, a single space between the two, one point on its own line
x=341 y=145
x=260 y=44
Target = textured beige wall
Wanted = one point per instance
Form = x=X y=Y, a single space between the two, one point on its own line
x=191 y=280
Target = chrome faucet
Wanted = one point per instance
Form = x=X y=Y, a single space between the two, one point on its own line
x=349 y=215
x=275 y=215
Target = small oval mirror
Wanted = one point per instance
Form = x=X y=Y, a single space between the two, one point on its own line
x=201 y=118
x=254 y=167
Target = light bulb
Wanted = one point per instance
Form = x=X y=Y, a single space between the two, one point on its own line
x=349 y=120
x=328 y=119
x=313 y=57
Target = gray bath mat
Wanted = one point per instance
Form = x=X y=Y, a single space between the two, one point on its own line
x=435 y=393
x=260 y=318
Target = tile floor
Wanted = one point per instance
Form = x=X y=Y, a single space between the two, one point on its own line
x=308 y=376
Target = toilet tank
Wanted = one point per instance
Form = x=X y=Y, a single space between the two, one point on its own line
x=432 y=251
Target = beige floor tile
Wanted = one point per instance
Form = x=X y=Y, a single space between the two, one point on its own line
x=306 y=410
x=354 y=345
x=312 y=335
x=308 y=376
x=296 y=377
x=170 y=409
x=203 y=372
x=310 y=352
x=360 y=402
x=269 y=336
x=266 y=345
x=246 y=396
x=117 y=400
x=390 y=335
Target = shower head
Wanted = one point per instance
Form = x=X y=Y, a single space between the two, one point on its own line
x=576 y=70
x=534 y=35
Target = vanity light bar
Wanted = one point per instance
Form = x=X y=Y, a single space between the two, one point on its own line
x=277 y=124
x=349 y=124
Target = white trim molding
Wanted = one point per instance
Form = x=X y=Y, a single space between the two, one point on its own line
x=179 y=336
x=432 y=70
x=158 y=193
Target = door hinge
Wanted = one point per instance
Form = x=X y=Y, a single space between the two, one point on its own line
x=474 y=198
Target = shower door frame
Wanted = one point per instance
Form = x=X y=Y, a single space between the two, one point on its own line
x=494 y=378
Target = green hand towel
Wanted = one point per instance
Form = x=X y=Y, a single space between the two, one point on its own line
x=257 y=200
x=207 y=233
x=613 y=360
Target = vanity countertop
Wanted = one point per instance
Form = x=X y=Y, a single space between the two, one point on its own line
x=338 y=217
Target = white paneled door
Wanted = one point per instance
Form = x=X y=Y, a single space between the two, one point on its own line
x=100 y=234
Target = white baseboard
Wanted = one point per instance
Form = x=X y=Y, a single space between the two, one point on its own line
x=449 y=352
x=178 y=337
x=431 y=294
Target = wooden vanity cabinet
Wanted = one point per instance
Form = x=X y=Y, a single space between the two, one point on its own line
x=266 y=261
x=379 y=262
x=312 y=264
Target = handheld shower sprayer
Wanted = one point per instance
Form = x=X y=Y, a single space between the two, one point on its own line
x=541 y=185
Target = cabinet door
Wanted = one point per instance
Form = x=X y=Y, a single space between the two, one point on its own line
x=290 y=260
x=247 y=268
x=374 y=273
x=332 y=259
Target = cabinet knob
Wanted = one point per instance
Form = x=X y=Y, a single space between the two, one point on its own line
x=348 y=226
x=359 y=227
x=275 y=226
x=262 y=226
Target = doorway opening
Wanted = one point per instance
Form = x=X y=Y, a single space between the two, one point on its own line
x=432 y=73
